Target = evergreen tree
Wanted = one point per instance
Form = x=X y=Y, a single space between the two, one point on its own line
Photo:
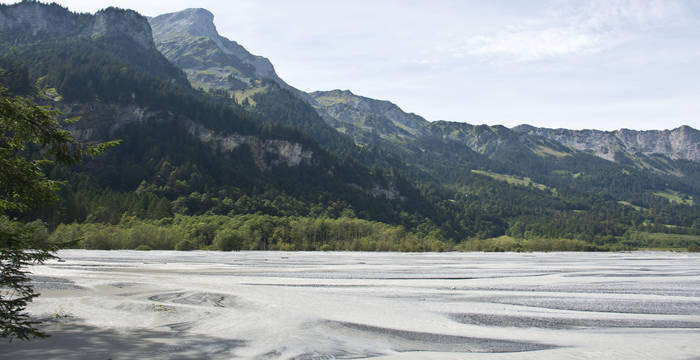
x=25 y=128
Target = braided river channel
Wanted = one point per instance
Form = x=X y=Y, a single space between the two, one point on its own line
x=356 y=305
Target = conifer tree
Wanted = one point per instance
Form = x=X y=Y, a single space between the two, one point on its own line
x=30 y=137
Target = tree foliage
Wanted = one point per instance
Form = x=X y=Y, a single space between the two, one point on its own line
x=16 y=291
x=30 y=137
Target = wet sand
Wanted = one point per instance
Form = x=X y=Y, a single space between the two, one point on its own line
x=300 y=305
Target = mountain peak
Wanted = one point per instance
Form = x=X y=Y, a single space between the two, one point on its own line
x=193 y=21
x=193 y=31
x=341 y=92
x=126 y=22
x=523 y=128
x=686 y=129
x=200 y=13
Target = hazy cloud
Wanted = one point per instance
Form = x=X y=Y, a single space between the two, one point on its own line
x=573 y=30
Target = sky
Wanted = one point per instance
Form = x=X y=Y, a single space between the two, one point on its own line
x=603 y=64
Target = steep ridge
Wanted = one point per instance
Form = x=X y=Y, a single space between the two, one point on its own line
x=358 y=115
x=382 y=123
x=212 y=62
x=223 y=68
x=377 y=122
x=190 y=40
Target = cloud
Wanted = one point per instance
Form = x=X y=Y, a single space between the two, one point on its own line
x=578 y=29
x=526 y=45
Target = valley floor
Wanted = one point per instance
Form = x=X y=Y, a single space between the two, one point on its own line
x=322 y=305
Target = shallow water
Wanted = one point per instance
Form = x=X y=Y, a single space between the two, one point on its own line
x=301 y=305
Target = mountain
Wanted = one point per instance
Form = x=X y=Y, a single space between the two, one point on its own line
x=224 y=69
x=426 y=144
x=212 y=62
x=209 y=128
x=355 y=115
x=189 y=38
x=643 y=148
x=371 y=121
x=359 y=116
x=196 y=151
x=34 y=20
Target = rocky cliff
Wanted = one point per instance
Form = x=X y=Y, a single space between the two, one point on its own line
x=41 y=21
x=189 y=39
x=680 y=143
x=267 y=153
x=225 y=69
x=101 y=121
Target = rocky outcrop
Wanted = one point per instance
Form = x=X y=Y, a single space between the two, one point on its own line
x=267 y=153
x=189 y=39
x=113 y=21
x=39 y=20
x=36 y=19
x=389 y=192
x=680 y=143
x=350 y=112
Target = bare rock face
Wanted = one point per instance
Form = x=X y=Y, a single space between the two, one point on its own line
x=267 y=153
x=53 y=21
x=680 y=143
x=36 y=19
x=114 y=21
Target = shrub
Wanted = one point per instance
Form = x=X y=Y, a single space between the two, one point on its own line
x=184 y=245
x=326 y=247
x=143 y=247
x=228 y=239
